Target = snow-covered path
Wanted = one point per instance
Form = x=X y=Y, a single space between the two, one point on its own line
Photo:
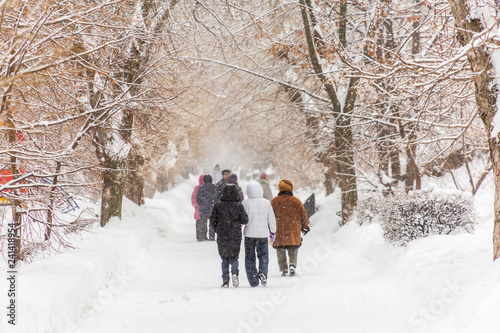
x=146 y=273
x=174 y=286
x=176 y=289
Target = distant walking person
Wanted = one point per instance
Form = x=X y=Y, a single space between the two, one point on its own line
x=261 y=225
x=264 y=181
x=233 y=179
x=223 y=182
x=197 y=207
x=206 y=197
x=216 y=174
x=291 y=220
x=227 y=217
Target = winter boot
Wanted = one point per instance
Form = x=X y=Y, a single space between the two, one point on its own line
x=263 y=279
x=292 y=270
x=284 y=273
x=234 y=277
x=225 y=283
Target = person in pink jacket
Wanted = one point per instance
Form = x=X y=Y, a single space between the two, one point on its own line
x=199 y=236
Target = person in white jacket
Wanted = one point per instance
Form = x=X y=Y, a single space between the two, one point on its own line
x=261 y=225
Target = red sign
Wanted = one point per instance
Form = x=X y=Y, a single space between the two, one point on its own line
x=5 y=177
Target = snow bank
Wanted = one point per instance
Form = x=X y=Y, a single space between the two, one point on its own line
x=59 y=291
x=450 y=281
x=56 y=292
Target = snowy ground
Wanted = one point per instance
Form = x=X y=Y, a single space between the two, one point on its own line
x=146 y=273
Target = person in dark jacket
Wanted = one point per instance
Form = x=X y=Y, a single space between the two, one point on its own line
x=206 y=197
x=227 y=217
x=223 y=182
x=233 y=179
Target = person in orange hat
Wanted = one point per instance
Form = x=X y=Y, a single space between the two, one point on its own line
x=291 y=220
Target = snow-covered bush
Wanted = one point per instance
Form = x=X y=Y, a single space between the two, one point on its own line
x=367 y=209
x=404 y=218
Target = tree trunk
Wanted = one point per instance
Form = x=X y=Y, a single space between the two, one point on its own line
x=384 y=156
x=388 y=152
x=344 y=154
x=139 y=51
x=495 y=157
x=330 y=175
x=134 y=184
x=50 y=211
x=345 y=166
x=326 y=157
x=415 y=36
x=395 y=163
x=6 y=113
x=486 y=95
x=16 y=202
x=112 y=190
x=413 y=178
x=344 y=148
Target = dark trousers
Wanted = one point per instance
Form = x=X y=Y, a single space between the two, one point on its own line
x=226 y=261
x=253 y=245
x=201 y=229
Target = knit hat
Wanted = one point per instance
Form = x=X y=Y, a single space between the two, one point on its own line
x=226 y=172
x=285 y=185
x=263 y=175
x=232 y=179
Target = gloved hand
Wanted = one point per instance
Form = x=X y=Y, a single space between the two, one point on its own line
x=272 y=237
x=305 y=230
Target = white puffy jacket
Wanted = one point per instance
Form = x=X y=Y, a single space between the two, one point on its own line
x=260 y=213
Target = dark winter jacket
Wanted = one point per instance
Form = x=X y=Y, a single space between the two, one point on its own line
x=221 y=184
x=207 y=196
x=291 y=218
x=226 y=219
x=233 y=179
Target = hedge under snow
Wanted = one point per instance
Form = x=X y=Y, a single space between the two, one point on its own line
x=404 y=218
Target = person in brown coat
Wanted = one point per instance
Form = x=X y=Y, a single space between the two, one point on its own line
x=291 y=220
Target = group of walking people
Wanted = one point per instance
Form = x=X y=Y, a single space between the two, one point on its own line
x=206 y=195
x=279 y=221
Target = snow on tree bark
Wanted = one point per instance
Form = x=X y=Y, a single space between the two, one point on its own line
x=148 y=20
x=486 y=91
x=341 y=112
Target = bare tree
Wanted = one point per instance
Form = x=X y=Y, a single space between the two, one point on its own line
x=470 y=31
x=341 y=113
x=115 y=83
x=42 y=125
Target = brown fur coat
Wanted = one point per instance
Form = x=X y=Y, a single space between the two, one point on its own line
x=291 y=217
